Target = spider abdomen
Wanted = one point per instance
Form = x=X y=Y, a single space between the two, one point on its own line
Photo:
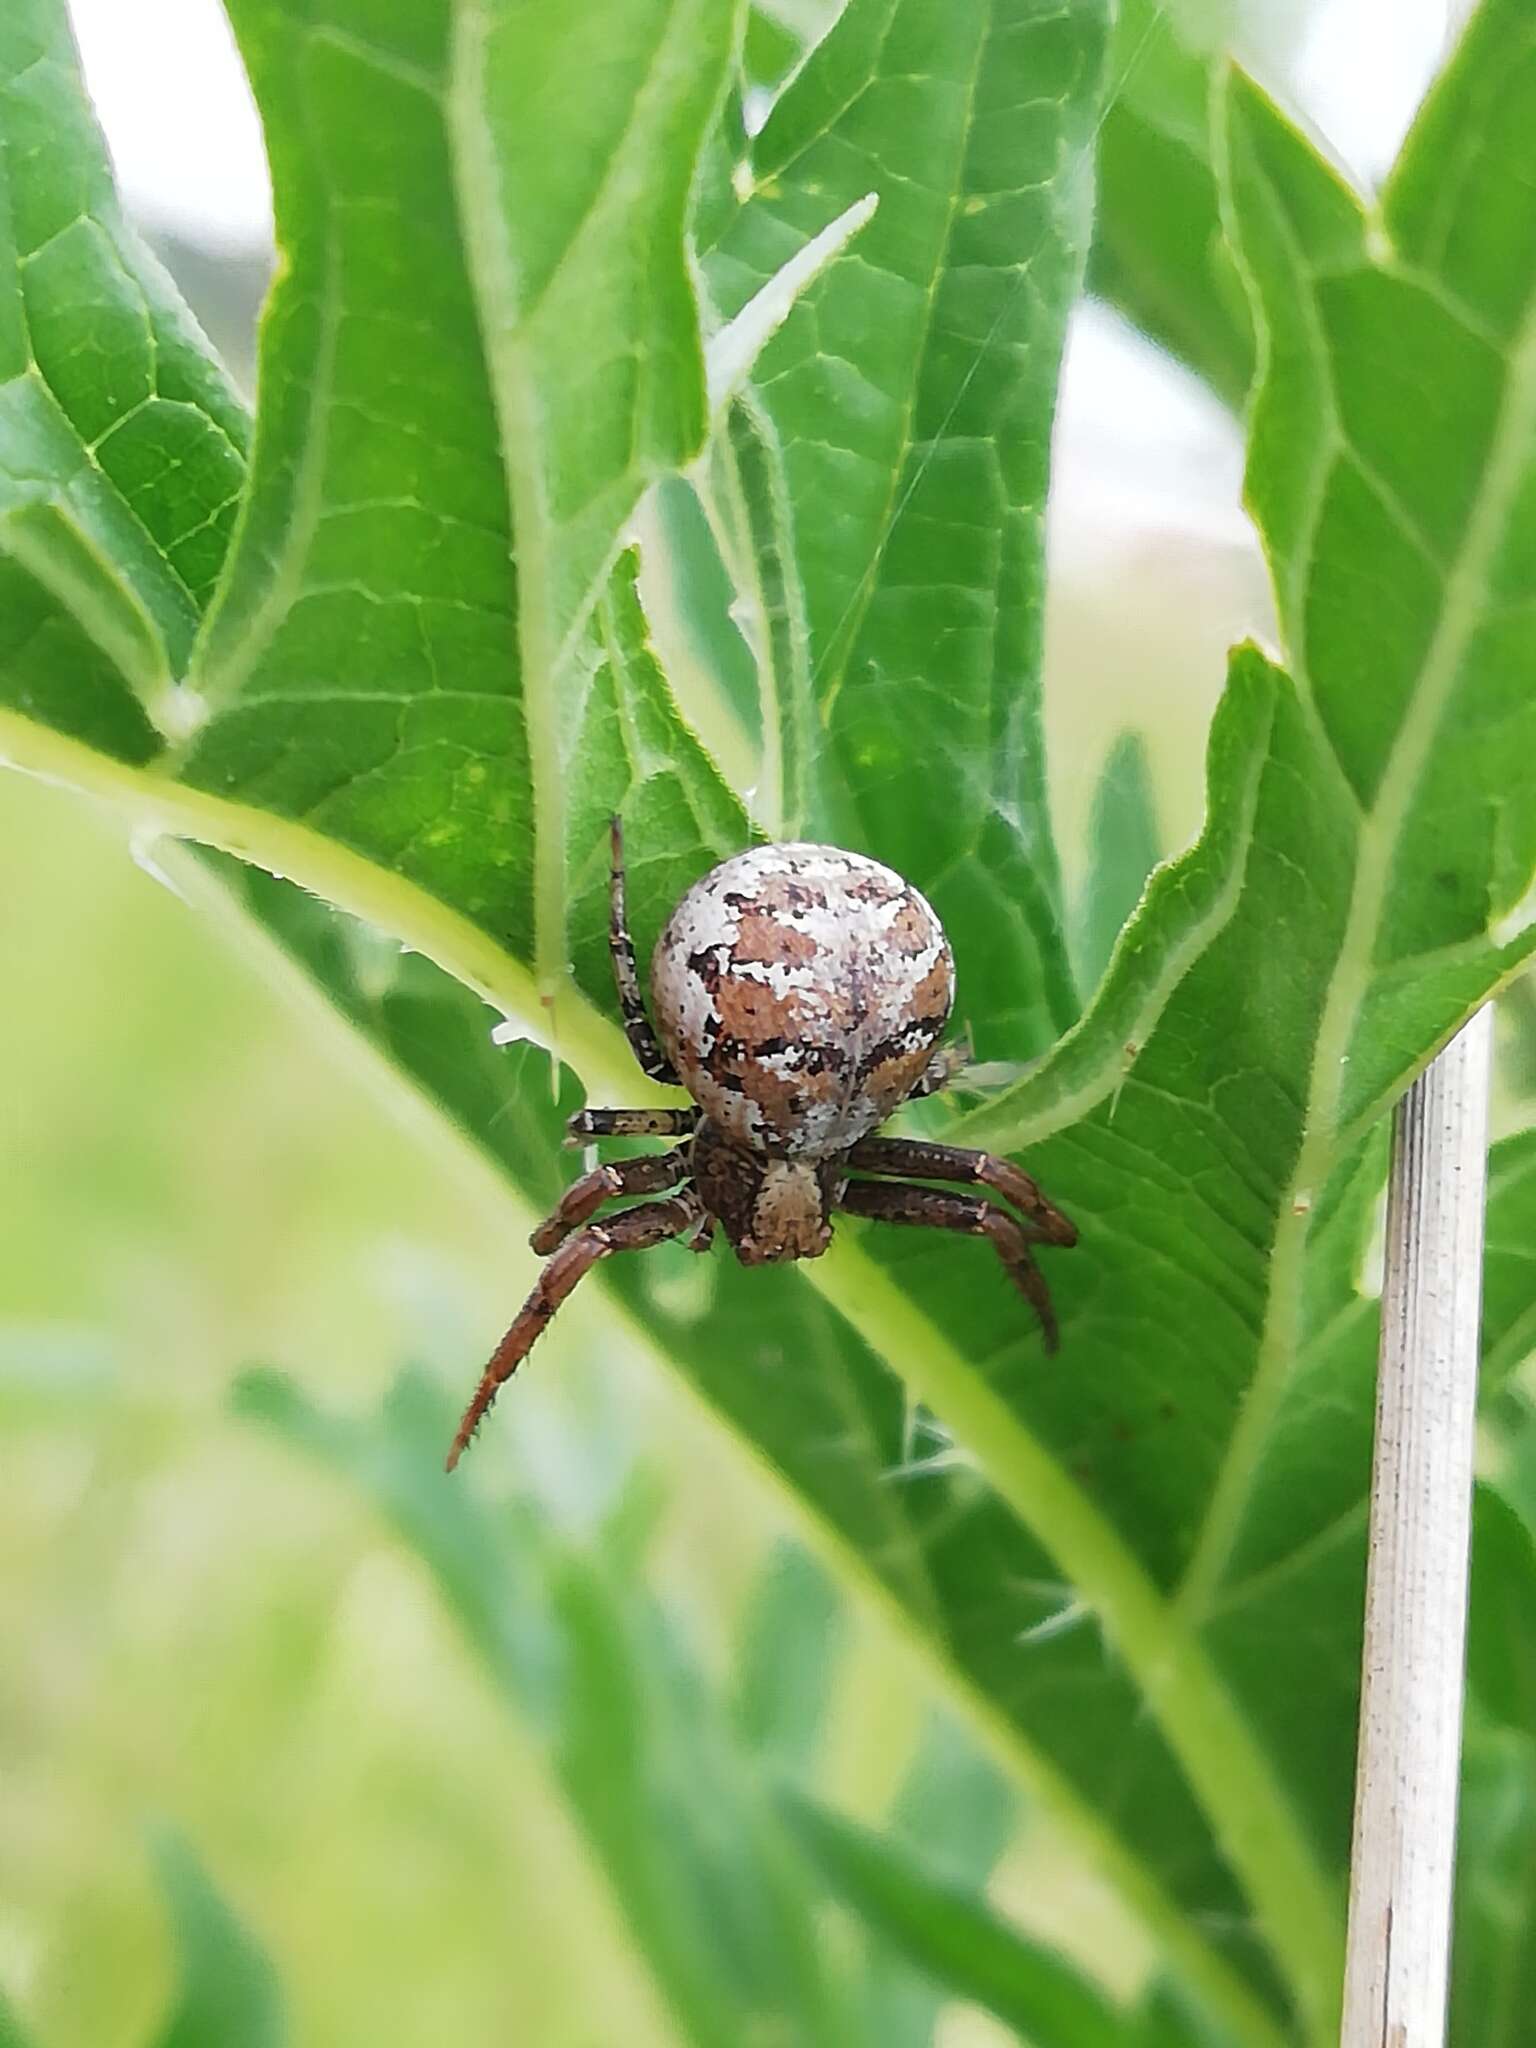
x=799 y=991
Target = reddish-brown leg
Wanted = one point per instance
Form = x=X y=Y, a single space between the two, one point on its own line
x=633 y=1230
x=939 y=1209
x=918 y=1160
x=584 y=1197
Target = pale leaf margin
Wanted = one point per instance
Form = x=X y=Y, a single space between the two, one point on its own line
x=1187 y=903
x=730 y=354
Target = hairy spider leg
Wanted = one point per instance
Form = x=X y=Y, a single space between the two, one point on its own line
x=632 y=1230
x=938 y=1209
x=588 y=1124
x=626 y=975
x=584 y=1197
x=916 y=1159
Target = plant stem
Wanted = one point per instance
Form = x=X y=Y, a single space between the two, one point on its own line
x=1420 y=1533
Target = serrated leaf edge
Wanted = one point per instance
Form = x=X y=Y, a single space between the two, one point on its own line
x=1380 y=830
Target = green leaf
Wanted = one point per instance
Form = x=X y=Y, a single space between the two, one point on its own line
x=1098 y=1557
x=1411 y=733
x=957 y=1812
x=772 y=48
x=734 y=349
x=793 y=1379
x=786 y=1658
x=1187 y=1403
x=379 y=669
x=12 y=2033
x=1493 y=1958
x=1308 y=1596
x=121 y=442
x=705 y=598
x=955 y=1805
x=229 y=1995
x=1509 y=1260
x=1187 y=904
x=961 y=1943
x=1494 y=1953
x=310 y=756
x=1513 y=1418
x=780 y=32
x=1159 y=255
x=1501 y=1630
x=1165 y=2019
x=856 y=1491
x=589 y=245
x=674 y=1811
x=637 y=757
x=1123 y=849
x=1237 y=1100
x=1518 y=1010
x=888 y=473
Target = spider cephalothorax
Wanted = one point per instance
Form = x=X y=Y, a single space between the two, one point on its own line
x=799 y=994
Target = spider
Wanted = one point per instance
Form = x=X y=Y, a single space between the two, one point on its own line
x=799 y=994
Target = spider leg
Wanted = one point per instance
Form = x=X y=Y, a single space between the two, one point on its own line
x=917 y=1159
x=587 y=1124
x=634 y=1230
x=703 y=1238
x=944 y=1068
x=637 y=1025
x=940 y=1209
x=647 y=1176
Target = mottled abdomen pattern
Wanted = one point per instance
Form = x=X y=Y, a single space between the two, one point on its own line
x=799 y=991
